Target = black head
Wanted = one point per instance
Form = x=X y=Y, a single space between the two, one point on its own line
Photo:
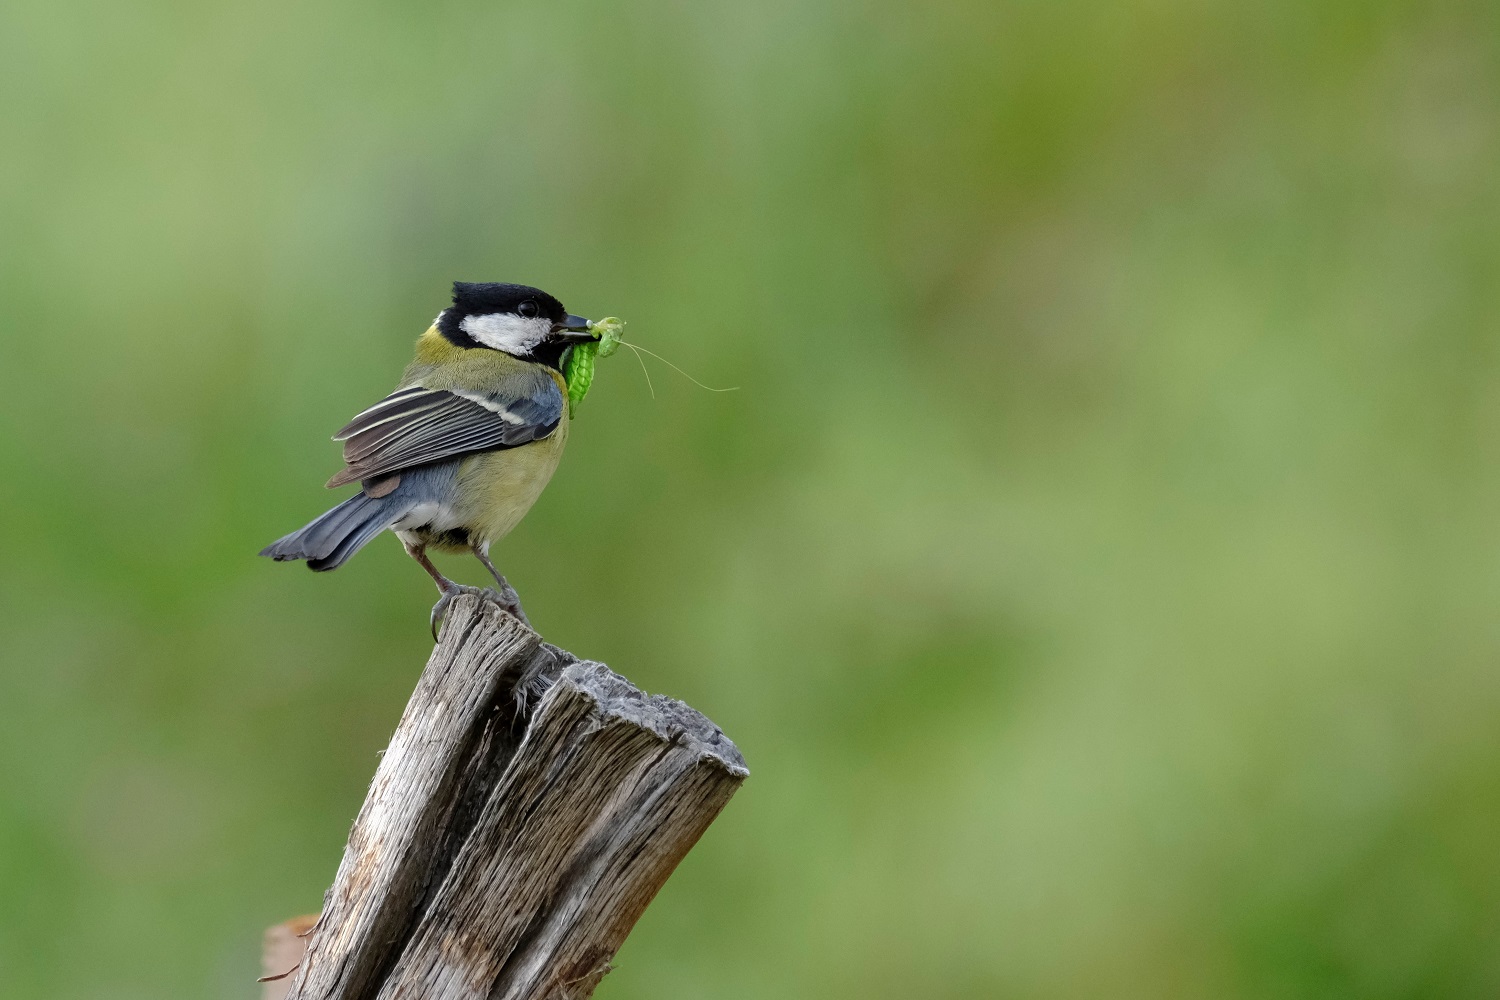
x=520 y=320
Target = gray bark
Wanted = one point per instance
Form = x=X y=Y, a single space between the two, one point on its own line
x=529 y=807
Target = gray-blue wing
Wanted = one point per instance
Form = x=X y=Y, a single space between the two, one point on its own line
x=417 y=426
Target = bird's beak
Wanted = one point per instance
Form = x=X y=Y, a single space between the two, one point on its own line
x=573 y=330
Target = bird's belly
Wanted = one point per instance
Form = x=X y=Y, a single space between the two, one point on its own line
x=497 y=488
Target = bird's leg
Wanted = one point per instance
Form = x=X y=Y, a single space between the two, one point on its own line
x=445 y=586
x=509 y=599
x=419 y=553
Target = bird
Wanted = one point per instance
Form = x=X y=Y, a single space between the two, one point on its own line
x=453 y=459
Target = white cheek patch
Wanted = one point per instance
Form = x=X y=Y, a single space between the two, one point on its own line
x=506 y=331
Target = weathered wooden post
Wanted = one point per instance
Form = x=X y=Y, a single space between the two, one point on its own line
x=529 y=807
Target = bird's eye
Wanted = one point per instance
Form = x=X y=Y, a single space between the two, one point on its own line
x=527 y=309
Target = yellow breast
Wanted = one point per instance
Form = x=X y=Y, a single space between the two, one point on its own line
x=497 y=488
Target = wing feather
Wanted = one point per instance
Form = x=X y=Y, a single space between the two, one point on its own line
x=417 y=426
x=394 y=405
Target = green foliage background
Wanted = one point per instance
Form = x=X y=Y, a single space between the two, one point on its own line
x=1097 y=567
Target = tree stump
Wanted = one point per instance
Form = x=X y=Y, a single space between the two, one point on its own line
x=528 y=809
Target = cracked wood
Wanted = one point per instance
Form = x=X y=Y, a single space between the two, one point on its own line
x=528 y=809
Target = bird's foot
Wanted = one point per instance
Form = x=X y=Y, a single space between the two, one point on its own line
x=506 y=599
x=453 y=590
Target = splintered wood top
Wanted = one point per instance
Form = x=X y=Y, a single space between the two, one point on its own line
x=528 y=809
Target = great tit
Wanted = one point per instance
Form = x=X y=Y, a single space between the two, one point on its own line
x=455 y=457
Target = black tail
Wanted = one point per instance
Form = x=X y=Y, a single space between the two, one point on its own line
x=327 y=542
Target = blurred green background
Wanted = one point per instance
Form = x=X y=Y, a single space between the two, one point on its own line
x=1097 y=566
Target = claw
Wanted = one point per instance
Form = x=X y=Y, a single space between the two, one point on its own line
x=507 y=600
x=505 y=593
x=440 y=609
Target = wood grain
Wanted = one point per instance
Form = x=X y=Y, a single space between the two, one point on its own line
x=528 y=809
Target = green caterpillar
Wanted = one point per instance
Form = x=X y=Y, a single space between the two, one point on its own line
x=578 y=370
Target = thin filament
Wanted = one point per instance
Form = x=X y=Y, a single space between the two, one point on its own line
x=679 y=371
x=642 y=360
